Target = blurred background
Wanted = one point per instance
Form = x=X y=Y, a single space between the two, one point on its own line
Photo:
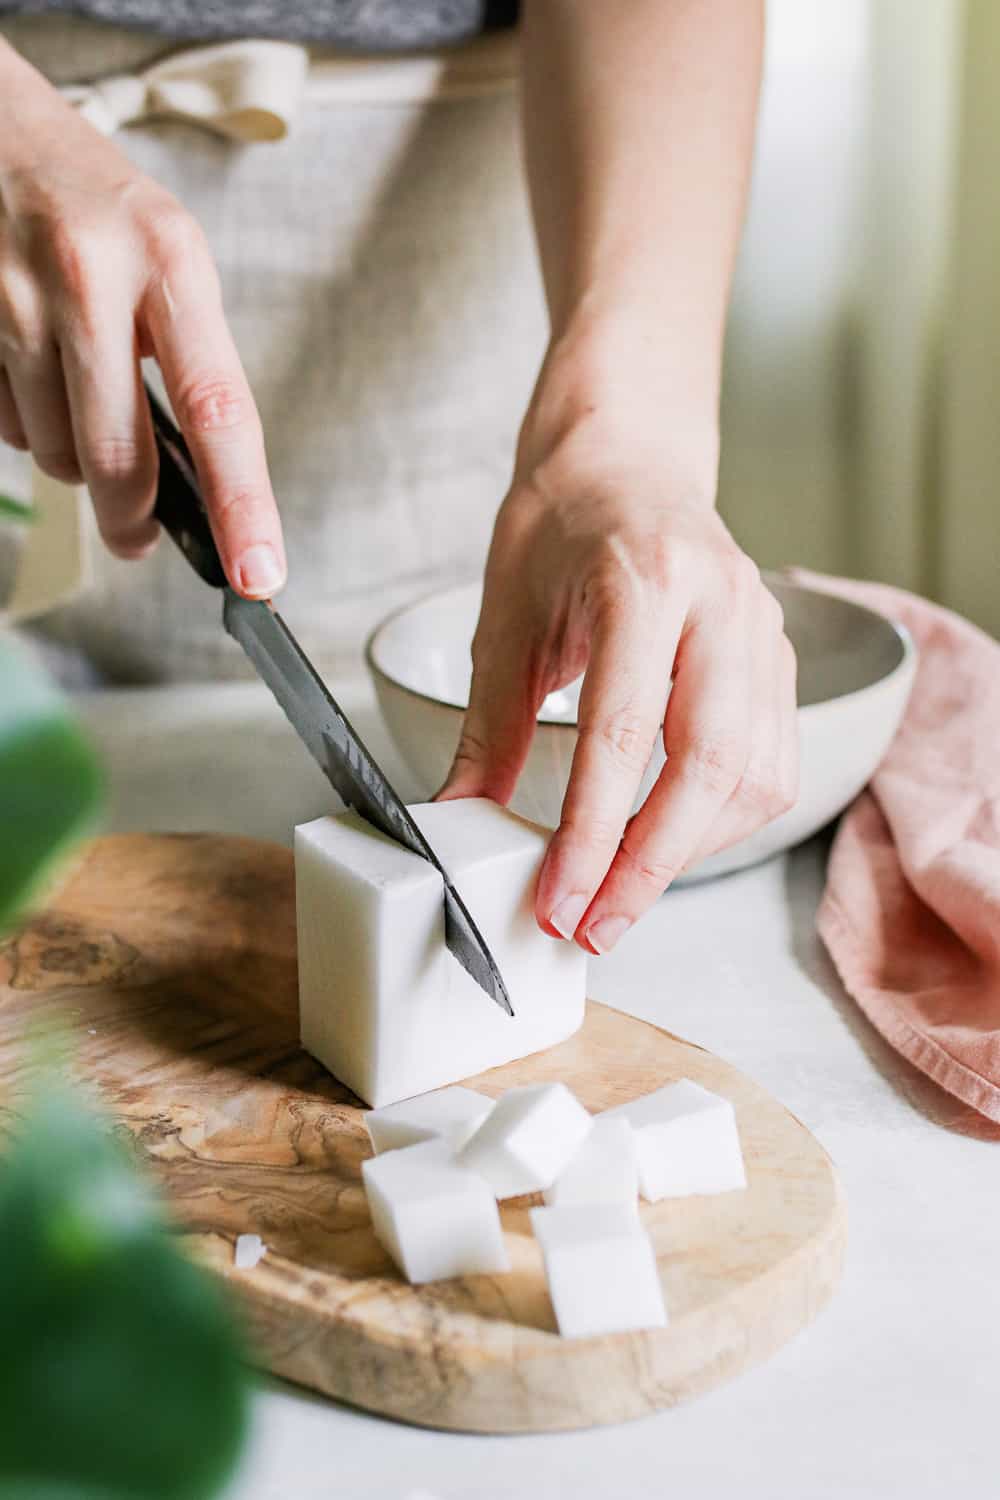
x=860 y=431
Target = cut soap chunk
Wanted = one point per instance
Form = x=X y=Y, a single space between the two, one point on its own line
x=452 y=1114
x=687 y=1141
x=383 y=1004
x=527 y=1139
x=600 y=1267
x=604 y=1169
x=433 y=1217
x=248 y=1251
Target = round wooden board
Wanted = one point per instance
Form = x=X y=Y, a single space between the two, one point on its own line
x=171 y=959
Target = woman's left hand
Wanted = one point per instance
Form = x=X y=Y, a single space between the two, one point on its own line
x=608 y=558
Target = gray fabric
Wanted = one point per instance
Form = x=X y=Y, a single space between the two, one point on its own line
x=355 y=25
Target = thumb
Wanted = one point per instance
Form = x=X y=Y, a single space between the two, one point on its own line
x=499 y=722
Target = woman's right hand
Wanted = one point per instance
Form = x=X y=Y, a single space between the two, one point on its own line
x=99 y=267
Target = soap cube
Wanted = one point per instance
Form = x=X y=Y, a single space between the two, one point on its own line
x=604 y=1170
x=248 y=1252
x=452 y=1114
x=527 y=1139
x=600 y=1267
x=686 y=1139
x=434 y=1218
x=382 y=1002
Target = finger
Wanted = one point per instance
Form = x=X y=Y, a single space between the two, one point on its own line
x=759 y=796
x=215 y=410
x=621 y=710
x=39 y=391
x=499 y=722
x=11 y=427
x=113 y=436
x=707 y=742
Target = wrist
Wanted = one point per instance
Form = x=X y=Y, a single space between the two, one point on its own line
x=614 y=389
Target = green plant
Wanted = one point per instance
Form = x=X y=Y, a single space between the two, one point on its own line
x=17 y=510
x=121 y=1372
x=50 y=783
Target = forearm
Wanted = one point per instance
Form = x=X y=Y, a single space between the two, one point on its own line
x=639 y=122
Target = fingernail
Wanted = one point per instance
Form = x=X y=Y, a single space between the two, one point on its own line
x=259 y=570
x=565 y=917
x=603 y=935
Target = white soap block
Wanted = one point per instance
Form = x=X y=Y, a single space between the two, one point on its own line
x=452 y=1114
x=248 y=1251
x=600 y=1267
x=604 y=1170
x=687 y=1141
x=435 y=1218
x=383 y=1004
x=527 y=1139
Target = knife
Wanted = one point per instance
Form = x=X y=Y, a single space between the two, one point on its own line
x=311 y=709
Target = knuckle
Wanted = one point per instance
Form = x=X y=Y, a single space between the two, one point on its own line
x=716 y=763
x=741 y=575
x=679 y=561
x=658 y=559
x=212 y=403
x=633 y=573
x=113 y=462
x=174 y=236
x=760 y=795
x=589 y=828
x=669 y=561
x=623 y=735
x=654 y=870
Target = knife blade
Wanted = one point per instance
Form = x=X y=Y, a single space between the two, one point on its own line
x=351 y=770
x=307 y=703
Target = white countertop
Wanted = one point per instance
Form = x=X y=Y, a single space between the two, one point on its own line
x=894 y=1391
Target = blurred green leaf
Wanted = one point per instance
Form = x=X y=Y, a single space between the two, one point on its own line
x=19 y=510
x=121 y=1373
x=50 y=783
x=33 y=1490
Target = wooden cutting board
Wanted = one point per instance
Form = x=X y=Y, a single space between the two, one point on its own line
x=171 y=960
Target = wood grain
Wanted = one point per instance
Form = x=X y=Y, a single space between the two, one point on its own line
x=171 y=961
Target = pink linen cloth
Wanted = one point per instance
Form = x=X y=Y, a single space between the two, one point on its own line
x=911 y=910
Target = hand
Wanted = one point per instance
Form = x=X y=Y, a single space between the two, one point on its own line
x=608 y=558
x=99 y=267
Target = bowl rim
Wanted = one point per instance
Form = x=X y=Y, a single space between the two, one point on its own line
x=905 y=667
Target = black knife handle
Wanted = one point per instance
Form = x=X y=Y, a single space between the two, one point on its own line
x=179 y=507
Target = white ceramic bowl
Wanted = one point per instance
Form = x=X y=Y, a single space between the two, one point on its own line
x=855 y=673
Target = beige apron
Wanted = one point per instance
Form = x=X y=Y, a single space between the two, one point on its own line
x=376 y=257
